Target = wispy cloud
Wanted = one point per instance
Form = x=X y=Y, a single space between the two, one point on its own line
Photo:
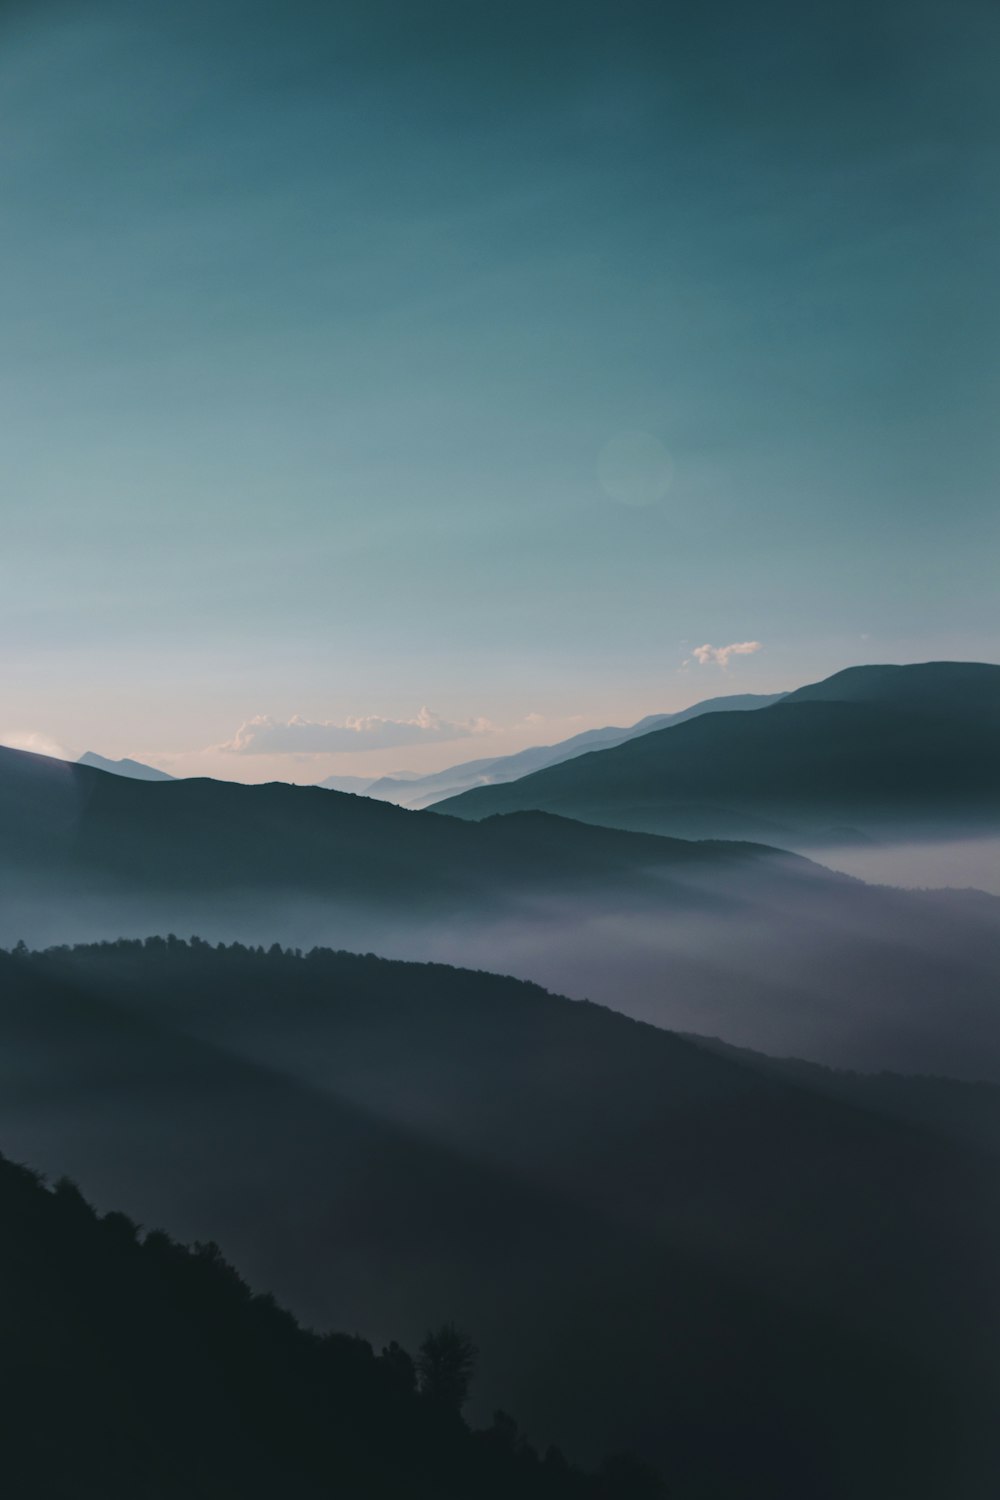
x=30 y=739
x=299 y=736
x=719 y=655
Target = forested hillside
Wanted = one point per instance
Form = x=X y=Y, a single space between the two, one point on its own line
x=759 y=1287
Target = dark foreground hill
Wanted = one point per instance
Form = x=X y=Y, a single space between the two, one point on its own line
x=133 y=1367
x=759 y=946
x=766 y=1290
x=888 y=753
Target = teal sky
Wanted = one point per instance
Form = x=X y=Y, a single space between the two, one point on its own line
x=358 y=358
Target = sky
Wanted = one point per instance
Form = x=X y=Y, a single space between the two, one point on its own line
x=387 y=384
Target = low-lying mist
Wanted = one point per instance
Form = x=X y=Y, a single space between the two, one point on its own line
x=958 y=863
x=825 y=969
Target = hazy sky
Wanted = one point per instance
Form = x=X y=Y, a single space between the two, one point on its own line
x=455 y=370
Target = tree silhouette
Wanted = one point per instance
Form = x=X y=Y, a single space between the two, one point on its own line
x=446 y=1364
x=266 y=1408
x=399 y=1366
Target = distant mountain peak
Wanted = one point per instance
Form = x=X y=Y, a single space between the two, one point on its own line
x=135 y=770
x=356 y=784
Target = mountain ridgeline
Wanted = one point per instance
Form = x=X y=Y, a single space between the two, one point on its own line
x=760 y=1287
x=888 y=753
x=423 y=791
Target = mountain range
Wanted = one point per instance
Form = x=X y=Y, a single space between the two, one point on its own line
x=745 y=941
x=422 y=791
x=877 y=752
x=753 y=1243
x=411 y=789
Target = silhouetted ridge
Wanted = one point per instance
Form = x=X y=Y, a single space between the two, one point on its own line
x=69 y=822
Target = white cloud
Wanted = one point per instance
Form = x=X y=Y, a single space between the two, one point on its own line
x=30 y=739
x=299 y=736
x=719 y=655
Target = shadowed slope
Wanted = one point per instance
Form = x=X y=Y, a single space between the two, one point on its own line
x=655 y=1247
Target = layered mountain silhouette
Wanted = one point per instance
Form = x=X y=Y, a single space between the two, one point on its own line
x=422 y=791
x=132 y=1366
x=768 y=1290
x=879 y=752
x=358 y=785
x=124 y=767
x=759 y=946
